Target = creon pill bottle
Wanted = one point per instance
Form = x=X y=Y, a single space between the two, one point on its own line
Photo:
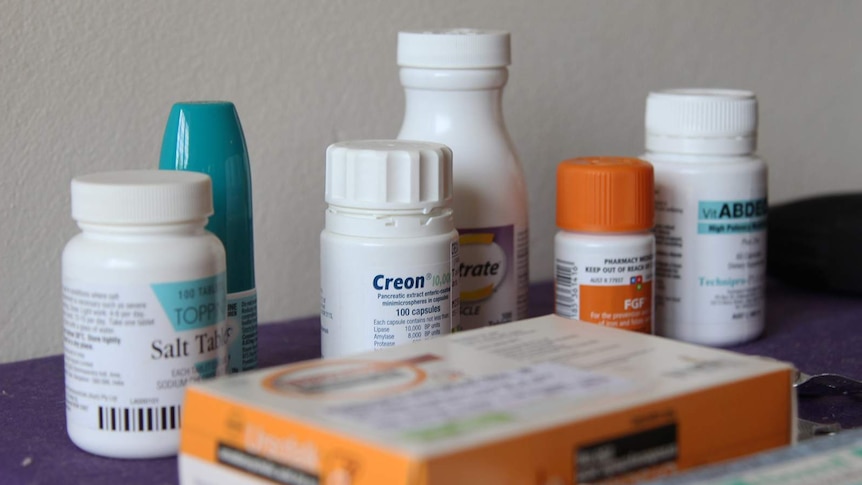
x=604 y=251
x=143 y=308
x=711 y=208
x=453 y=86
x=389 y=249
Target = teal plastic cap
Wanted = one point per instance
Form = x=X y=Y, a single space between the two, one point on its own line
x=207 y=137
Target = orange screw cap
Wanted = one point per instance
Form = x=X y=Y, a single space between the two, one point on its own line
x=605 y=194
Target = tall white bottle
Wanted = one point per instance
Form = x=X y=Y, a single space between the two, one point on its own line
x=453 y=82
x=711 y=207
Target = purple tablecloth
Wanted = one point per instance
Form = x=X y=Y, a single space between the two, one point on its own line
x=817 y=332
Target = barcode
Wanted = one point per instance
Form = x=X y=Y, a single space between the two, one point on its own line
x=564 y=276
x=566 y=288
x=139 y=419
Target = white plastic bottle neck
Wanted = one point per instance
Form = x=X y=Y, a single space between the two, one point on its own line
x=190 y=228
x=699 y=158
x=452 y=98
x=601 y=236
x=739 y=146
x=389 y=224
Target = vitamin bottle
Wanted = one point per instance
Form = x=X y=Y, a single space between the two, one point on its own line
x=207 y=137
x=143 y=308
x=711 y=207
x=453 y=82
x=604 y=251
x=389 y=249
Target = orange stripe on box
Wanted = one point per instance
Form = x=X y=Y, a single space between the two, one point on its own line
x=214 y=422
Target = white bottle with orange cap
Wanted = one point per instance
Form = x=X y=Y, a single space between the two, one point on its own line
x=604 y=251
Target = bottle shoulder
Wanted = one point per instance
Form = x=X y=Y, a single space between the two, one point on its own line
x=385 y=226
x=163 y=258
x=476 y=142
x=490 y=185
x=608 y=239
x=701 y=160
x=695 y=165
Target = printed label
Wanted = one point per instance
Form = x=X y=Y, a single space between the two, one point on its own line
x=347 y=379
x=376 y=296
x=494 y=276
x=710 y=256
x=242 y=320
x=264 y=467
x=615 y=291
x=130 y=350
x=412 y=304
x=731 y=217
x=475 y=403
x=733 y=233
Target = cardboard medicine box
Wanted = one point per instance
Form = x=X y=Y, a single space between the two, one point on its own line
x=540 y=401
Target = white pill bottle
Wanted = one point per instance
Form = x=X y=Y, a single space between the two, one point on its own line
x=453 y=85
x=711 y=208
x=143 y=308
x=389 y=249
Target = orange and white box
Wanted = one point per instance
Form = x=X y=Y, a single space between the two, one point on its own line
x=541 y=401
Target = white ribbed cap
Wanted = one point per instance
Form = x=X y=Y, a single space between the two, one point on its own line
x=701 y=121
x=388 y=175
x=141 y=197
x=454 y=49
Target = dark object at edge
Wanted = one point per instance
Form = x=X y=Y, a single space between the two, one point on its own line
x=817 y=243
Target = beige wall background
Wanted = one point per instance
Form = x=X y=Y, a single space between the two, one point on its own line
x=86 y=86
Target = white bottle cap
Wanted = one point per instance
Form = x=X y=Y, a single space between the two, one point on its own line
x=135 y=197
x=701 y=121
x=389 y=175
x=454 y=49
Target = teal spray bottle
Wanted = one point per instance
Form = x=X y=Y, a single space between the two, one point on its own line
x=207 y=137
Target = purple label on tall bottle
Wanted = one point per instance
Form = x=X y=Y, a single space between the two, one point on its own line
x=488 y=277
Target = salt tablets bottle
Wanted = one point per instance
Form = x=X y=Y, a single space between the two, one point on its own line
x=143 y=308
x=603 y=253
x=389 y=249
x=711 y=209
